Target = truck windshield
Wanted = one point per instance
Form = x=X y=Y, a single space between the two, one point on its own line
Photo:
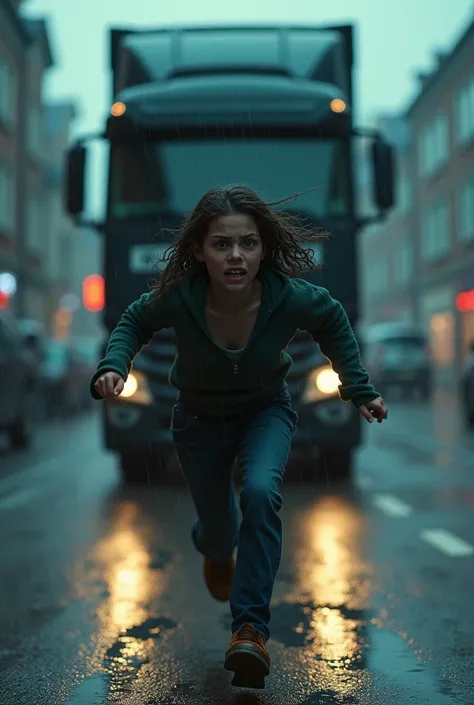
x=170 y=177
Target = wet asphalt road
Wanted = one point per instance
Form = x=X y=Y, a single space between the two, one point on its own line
x=102 y=601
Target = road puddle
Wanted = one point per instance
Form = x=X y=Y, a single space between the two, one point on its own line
x=92 y=691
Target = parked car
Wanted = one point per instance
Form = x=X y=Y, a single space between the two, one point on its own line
x=398 y=355
x=86 y=353
x=60 y=380
x=19 y=384
x=33 y=337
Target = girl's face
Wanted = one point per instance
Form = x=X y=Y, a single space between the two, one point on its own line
x=232 y=251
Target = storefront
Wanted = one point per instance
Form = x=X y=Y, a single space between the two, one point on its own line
x=400 y=310
x=437 y=310
x=465 y=316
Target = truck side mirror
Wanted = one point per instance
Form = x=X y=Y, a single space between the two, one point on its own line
x=383 y=165
x=75 y=179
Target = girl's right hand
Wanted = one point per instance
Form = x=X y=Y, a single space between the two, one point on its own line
x=109 y=385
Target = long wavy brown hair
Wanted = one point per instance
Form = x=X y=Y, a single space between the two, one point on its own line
x=282 y=234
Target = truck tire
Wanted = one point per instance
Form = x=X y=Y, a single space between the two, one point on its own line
x=134 y=467
x=302 y=467
x=336 y=465
x=141 y=468
x=20 y=434
x=21 y=431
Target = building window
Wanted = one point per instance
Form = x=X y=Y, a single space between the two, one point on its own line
x=434 y=146
x=404 y=262
x=464 y=113
x=7 y=92
x=7 y=198
x=435 y=232
x=466 y=211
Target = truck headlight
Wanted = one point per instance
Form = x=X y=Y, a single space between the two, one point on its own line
x=136 y=389
x=323 y=383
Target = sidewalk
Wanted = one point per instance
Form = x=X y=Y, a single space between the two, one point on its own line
x=427 y=426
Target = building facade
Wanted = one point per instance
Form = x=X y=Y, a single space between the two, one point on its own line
x=70 y=253
x=42 y=254
x=387 y=251
x=14 y=40
x=59 y=236
x=25 y=55
x=36 y=226
x=419 y=265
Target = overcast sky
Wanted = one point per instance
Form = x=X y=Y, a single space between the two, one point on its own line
x=394 y=40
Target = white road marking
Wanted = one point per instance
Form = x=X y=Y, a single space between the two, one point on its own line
x=446 y=542
x=391 y=505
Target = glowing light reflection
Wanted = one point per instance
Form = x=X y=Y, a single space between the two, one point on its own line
x=130 y=580
x=338 y=581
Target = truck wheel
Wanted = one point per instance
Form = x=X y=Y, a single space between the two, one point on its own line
x=134 y=467
x=21 y=431
x=142 y=468
x=336 y=465
x=20 y=434
x=302 y=467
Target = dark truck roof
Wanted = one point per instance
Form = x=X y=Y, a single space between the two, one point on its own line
x=175 y=73
x=315 y=53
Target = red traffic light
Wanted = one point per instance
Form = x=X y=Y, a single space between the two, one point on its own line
x=93 y=292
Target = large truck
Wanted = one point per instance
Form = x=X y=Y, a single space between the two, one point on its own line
x=196 y=107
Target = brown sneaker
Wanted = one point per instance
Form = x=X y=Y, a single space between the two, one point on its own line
x=218 y=577
x=248 y=657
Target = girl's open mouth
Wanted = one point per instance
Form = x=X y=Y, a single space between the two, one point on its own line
x=235 y=274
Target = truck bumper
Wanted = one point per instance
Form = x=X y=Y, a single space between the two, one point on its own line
x=326 y=426
x=322 y=427
x=136 y=428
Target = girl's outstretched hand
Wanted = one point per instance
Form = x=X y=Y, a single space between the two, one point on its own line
x=375 y=409
x=109 y=385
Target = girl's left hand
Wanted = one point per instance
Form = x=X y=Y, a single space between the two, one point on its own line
x=375 y=409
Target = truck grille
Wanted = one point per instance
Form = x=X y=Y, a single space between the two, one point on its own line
x=156 y=359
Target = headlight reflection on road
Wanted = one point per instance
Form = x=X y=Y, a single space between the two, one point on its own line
x=132 y=585
x=130 y=580
x=332 y=568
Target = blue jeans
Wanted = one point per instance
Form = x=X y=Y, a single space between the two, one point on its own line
x=207 y=447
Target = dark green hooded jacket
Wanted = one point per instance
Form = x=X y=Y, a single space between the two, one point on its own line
x=207 y=379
